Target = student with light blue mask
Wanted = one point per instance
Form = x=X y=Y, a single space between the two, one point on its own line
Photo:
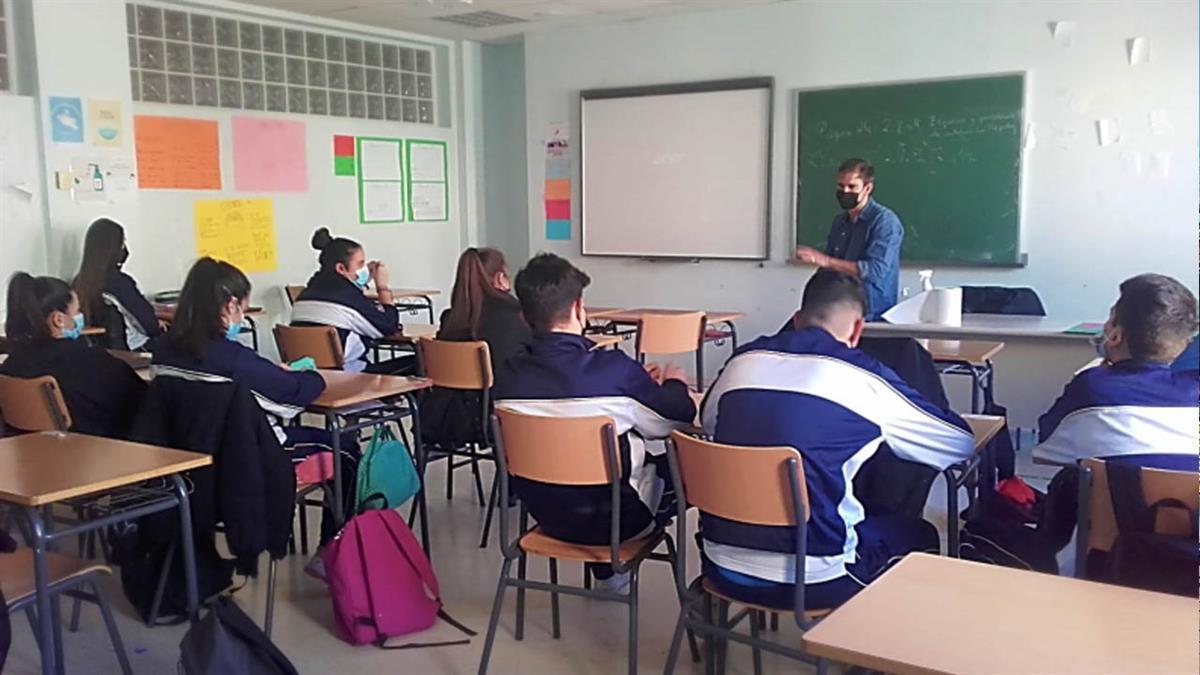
x=42 y=334
x=335 y=296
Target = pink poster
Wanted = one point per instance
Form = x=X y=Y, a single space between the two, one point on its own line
x=269 y=155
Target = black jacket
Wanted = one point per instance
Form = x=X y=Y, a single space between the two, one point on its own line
x=102 y=393
x=251 y=486
x=452 y=417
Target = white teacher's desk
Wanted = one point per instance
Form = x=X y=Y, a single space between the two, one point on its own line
x=980 y=326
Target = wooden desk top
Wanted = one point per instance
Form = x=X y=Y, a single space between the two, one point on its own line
x=37 y=469
x=605 y=341
x=973 y=352
x=399 y=293
x=343 y=389
x=89 y=331
x=932 y=614
x=985 y=427
x=411 y=332
x=601 y=312
x=635 y=315
x=166 y=311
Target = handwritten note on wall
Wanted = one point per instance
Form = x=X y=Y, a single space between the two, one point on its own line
x=177 y=153
x=238 y=231
x=269 y=155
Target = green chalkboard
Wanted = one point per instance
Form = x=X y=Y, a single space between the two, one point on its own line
x=947 y=158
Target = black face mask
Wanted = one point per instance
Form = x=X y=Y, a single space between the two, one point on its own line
x=122 y=256
x=848 y=200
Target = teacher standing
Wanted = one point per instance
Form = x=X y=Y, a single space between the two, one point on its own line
x=864 y=239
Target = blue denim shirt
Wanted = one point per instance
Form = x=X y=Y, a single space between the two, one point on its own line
x=873 y=241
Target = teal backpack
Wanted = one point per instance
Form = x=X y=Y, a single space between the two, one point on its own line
x=386 y=475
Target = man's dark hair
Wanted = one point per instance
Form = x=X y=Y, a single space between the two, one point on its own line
x=547 y=287
x=858 y=166
x=828 y=289
x=1158 y=316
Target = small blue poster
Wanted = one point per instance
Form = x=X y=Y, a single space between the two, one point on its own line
x=66 y=119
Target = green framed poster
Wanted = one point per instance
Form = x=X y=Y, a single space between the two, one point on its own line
x=428 y=181
x=381 y=183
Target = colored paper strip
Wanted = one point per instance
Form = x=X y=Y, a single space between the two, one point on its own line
x=559 y=188
x=558 y=209
x=343 y=146
x=343 y=166
x=558 y=230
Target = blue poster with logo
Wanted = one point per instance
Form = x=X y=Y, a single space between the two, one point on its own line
x=66 y=119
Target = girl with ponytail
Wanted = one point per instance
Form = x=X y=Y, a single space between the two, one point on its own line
x=43 y=329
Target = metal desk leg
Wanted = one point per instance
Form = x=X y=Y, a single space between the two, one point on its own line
x=419 y=452
x=253 y=332
x=331 y=423
x=41 y=577
x=429 y=307
x=976 y=385
x=189 y=544
x=952 y=486
x=732 y=335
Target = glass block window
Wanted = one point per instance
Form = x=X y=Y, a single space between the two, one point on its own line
x=5 y=77
x=189 y=58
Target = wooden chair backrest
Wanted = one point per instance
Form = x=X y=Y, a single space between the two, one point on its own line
x=739 y=483
x=456 y=365
x=293 y=292
x=670 y=333
x=557 y=450
x=1157 y=484
x=319 y=342
x=34 y=404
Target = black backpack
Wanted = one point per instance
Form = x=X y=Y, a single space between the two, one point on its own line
x=227 y=642
x=1140 y=557
x=141 y=558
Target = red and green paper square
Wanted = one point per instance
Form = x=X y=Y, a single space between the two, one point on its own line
x=343 y=156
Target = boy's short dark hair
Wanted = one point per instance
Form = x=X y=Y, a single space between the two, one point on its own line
x=1157 y=315
x=858 y=166
x=547 y=287
x=829 y=288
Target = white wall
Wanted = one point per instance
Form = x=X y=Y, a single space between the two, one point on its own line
x=81 y=51
x=506 y=212
x=1088 y=223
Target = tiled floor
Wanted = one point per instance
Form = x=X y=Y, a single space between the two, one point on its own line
x=593 y=641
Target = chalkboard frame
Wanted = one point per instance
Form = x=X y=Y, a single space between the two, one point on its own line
x=699 y=87
x=1022 y=256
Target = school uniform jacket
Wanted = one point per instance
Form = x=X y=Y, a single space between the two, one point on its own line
x=282 y=394
x=330 y=299
x=836 y=405
x=122 y=294
x=563 y=375
x=102 y=393
x=1126 y=408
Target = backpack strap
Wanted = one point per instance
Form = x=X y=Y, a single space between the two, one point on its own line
x=382 y=640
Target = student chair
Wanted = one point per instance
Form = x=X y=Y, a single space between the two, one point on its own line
x=464 y=367
x=34 y=404
x=751 y=485
x=292 y=293
x=666 y=334
x=69 y=576
x=319 y=342
x=1098 y=525
x=565 y=451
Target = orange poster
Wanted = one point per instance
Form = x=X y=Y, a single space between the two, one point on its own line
x=177 y=153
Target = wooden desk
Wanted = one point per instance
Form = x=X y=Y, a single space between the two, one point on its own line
x=411 y=332
x=601 y=312
x=930 y=614
x=87 y=331
x=984 y=428
x=411 y=299
x=39 y=469
x=989 y=326
x=603 y=341
x=713 y=317
x=355 y=401
x=972 y=358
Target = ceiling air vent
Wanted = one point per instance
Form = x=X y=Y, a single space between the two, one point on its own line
x=480 y=19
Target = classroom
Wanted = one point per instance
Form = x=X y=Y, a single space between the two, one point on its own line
x=396 y=335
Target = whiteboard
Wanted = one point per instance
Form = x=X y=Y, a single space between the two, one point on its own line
x=677 y=170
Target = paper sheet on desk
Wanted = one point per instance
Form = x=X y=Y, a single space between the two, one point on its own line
x=941 y=306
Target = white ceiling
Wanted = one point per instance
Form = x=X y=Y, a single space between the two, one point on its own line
x=420 y=16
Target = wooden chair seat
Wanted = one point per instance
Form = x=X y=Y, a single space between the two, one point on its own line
x=16 y=572
x=809 y=614
x=540 y=543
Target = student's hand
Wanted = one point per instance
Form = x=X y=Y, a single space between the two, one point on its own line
x=673 y=372
x=811 y=256
x=379 y=274
x=655 y=372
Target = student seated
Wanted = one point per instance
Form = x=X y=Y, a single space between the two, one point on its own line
x=811 y=388
x=482 y=308
x=103 y=287
x=202 y=345
x=1133 y=403
x=562 y=374
x=102 y=393
x=334 y=297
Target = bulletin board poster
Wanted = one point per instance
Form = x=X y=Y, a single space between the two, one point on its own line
x=238 y=231
x=177 y=153
x=428 y=185
x=380 y=164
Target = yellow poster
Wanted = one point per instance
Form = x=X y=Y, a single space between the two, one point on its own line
x=105 y=124
x=238 y=231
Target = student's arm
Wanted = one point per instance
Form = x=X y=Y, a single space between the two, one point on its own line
x=123 y=390
x=661 y=408
x=126 y=291
x=272 y=381
x=384 y=318
x=918 y=430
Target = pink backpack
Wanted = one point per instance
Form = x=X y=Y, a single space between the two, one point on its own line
x=381 y=583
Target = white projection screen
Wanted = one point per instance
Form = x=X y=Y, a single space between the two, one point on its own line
x=677 y=171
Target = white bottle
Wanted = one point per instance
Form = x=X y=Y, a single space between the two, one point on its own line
x=926 y=277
